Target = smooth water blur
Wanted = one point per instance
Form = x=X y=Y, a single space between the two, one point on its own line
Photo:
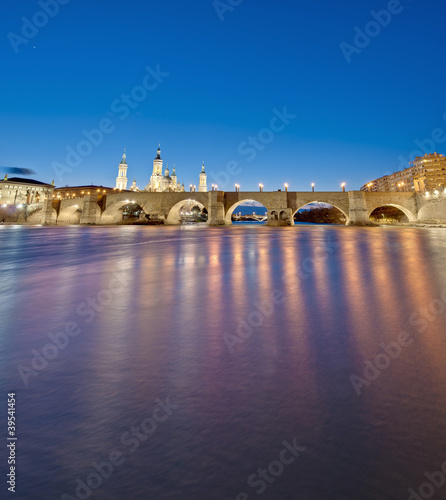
x=166 y=299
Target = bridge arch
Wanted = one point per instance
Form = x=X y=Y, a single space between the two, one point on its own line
x=231 y=209
x=113 y=213
x=35 y=215
x=343 y=212
x=70 y=215
x=174 y=216
x=408 y=213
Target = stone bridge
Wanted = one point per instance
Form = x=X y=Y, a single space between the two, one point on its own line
x=357 y=206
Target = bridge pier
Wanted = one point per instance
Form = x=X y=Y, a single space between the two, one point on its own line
x=89 y=209
x=358 y=214
x=216 y=208
x=280 y=217
x=47 y=212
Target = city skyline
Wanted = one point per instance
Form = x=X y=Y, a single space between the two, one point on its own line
x=217 y=82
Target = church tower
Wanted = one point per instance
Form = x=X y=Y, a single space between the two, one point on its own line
x=158 y=163
x=203 y=187
x=121 y=180
x=156 y=178
x=174 y=177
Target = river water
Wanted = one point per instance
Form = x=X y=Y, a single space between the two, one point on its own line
x=182 y=361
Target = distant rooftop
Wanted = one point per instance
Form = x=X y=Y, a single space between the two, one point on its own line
x=89 y=186
x=24 y=181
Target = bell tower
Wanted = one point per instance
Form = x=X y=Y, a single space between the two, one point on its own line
x=121 y=180
x=202 y=187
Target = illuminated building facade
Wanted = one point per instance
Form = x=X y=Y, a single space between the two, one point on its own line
x=19 y=191
x=67 y=193
x=426 y=173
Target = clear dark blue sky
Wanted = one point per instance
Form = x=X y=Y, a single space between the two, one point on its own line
x=353 y=120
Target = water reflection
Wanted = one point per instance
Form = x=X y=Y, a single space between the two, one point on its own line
x=159 y=331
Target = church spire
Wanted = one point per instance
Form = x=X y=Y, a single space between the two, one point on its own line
x=202 y=169
x=124 y=158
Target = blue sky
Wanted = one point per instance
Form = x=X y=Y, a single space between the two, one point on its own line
x=225 y=76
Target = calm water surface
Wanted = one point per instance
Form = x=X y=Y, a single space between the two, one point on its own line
x=173 y=313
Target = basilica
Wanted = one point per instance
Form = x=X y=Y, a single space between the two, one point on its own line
x=159 y=182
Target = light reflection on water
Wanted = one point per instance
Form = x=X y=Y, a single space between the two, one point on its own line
x=346 y=290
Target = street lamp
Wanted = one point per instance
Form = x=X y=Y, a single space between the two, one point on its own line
x=312 y=187
x=286 y=187
x=190 y=187
x=261 y=188
x=216 y=187
x=343 y=187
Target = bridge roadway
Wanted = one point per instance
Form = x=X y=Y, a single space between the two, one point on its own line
x=357 y=206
